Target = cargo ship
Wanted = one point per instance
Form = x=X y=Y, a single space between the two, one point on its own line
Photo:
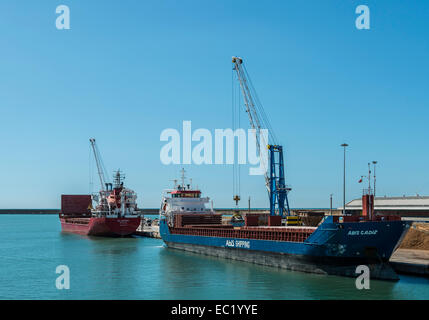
x=115 y=213
x=335 y=247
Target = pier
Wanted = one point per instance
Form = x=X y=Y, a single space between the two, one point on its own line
x=148 y=228
x=148 y=232
x=411 y=261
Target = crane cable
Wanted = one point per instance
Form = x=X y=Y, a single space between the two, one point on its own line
x=236 y=177
x=97 y=156
x=265 y=121
x=91 y=174
x=257 y=116
x=103 y=167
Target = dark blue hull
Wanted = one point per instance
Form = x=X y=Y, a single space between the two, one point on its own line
x=333 y=248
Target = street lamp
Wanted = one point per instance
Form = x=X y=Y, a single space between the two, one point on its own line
x=344 y=145
x=374 y=163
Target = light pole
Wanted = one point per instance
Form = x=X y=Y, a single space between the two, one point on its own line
x=344 y=145
x=374 y=163
x=369 y=178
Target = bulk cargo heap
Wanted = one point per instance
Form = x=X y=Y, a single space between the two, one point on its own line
x=115 y=213
x=336 y=246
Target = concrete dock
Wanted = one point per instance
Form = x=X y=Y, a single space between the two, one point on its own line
x=411 y=261
x=148 y=231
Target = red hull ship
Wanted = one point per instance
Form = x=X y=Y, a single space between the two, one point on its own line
x=77 y=216
x=105 y=227
x=115 y=214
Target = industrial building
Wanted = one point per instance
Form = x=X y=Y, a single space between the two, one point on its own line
x=405 y=206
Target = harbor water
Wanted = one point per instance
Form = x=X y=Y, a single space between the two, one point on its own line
x=32 y=246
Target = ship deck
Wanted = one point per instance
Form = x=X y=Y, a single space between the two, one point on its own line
x=290 y=234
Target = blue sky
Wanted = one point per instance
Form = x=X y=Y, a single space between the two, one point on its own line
x=129 y=69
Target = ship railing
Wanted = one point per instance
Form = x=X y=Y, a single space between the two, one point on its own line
x=112 y=213
x=75 y=215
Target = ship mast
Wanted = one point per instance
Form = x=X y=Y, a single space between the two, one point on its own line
x=183 y=178
x=118 y=179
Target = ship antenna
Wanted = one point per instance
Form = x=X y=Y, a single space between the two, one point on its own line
x=183 y=177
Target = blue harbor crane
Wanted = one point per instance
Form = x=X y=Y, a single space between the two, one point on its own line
x=275 y=176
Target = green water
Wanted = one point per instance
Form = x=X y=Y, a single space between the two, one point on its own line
x=32 y=246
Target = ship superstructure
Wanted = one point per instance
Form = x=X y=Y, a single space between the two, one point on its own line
x=115 y=201
x=183 y=199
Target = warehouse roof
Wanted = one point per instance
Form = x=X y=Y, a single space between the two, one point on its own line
x=393 y=203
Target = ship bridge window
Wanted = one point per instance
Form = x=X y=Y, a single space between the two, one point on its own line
x=186 y=195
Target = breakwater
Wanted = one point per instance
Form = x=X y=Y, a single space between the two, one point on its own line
x=29 y=211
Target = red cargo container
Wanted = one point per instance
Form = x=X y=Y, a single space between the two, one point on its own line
x=274 y=221
x=182 y=220
x=256 y=219
x=75 y=205
x=251 y=220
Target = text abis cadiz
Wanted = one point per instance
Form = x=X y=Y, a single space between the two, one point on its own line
x=179 y=148
x=362 y=232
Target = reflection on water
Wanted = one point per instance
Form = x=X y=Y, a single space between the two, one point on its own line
x=31 y=247
x=187 y=273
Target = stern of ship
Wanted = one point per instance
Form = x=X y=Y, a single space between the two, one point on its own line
x=113 y=227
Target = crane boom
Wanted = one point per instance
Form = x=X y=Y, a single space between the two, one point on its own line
x=249 y=103
x=98 y=162
x=275 y=180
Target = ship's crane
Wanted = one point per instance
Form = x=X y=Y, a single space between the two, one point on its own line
x=274 y=177
x=100 y=166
